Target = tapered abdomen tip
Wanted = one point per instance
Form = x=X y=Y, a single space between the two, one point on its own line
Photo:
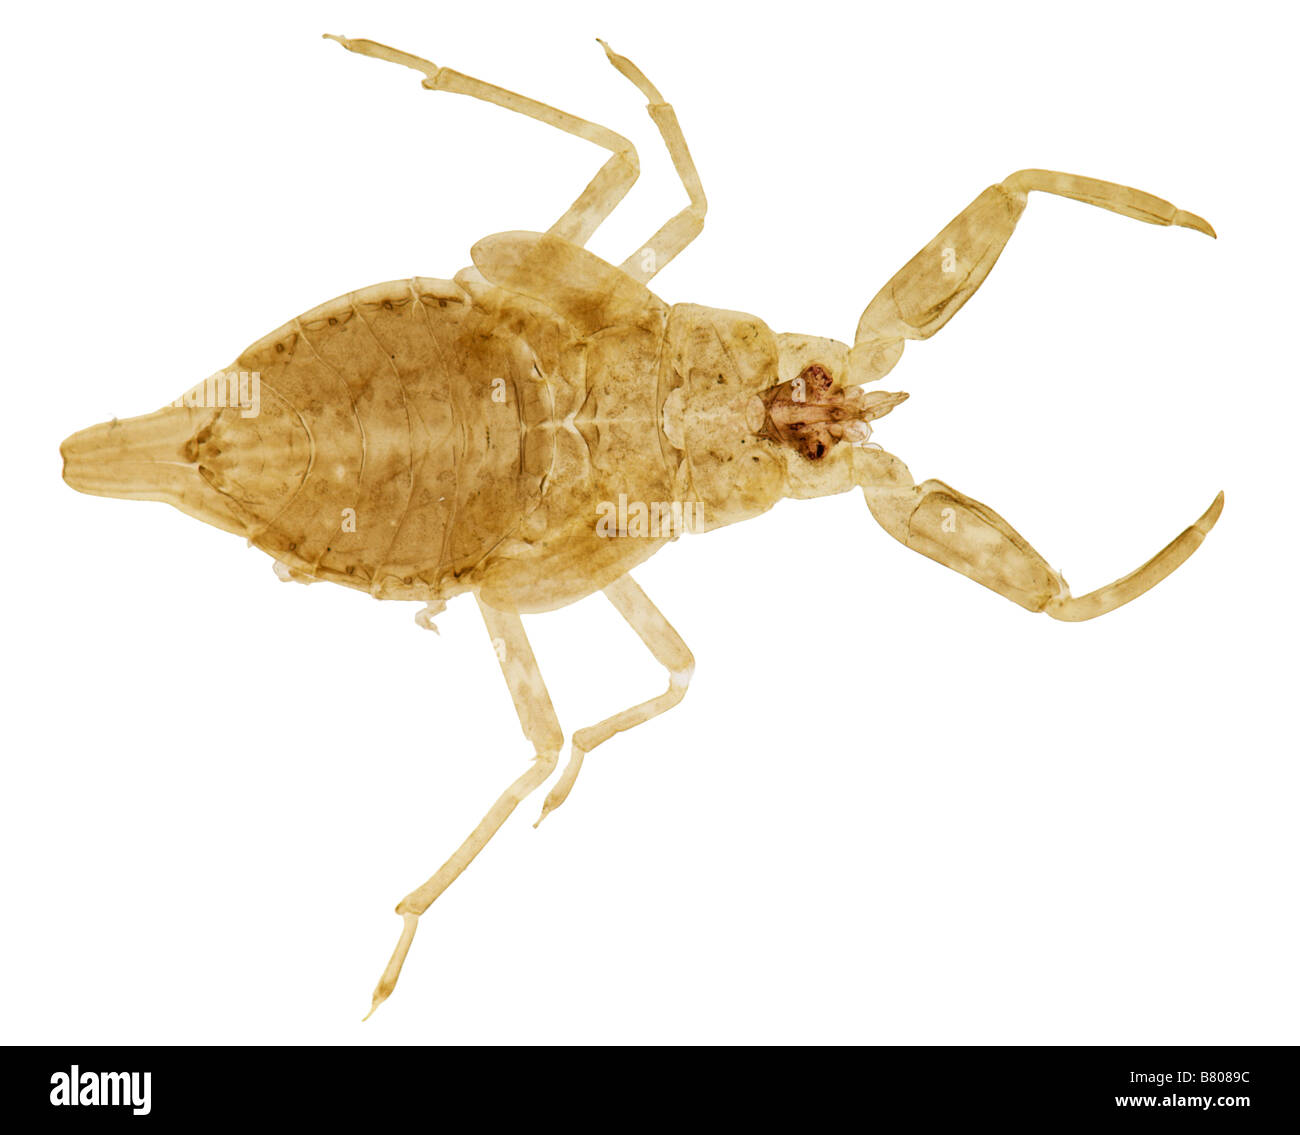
x=127 y=458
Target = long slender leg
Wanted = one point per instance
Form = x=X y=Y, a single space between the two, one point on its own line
x=683 y=228
x=969 y=537
x=931 y=287
x=605 y=190
x=541 y=727
x=670 y=651
x=615 y=177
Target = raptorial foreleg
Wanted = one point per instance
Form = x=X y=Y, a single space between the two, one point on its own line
x=967 y=536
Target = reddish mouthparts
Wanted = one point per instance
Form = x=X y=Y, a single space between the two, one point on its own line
x=810 y=414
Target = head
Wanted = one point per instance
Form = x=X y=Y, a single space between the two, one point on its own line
x=761 y=416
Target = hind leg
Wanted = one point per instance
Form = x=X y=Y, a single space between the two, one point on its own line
x=615 y=177
x=541 y=727
x=605 y=190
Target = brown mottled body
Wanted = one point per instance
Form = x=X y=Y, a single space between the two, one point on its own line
x=453 y=420
x=423 y=438
x=390 y=387
x=414 y=438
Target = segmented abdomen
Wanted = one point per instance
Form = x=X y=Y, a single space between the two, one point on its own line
x=417 y=404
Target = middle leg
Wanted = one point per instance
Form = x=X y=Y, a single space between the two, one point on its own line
x=671 y=653
x=685 y=226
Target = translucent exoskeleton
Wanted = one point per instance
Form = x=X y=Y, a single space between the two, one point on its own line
x=534 y=428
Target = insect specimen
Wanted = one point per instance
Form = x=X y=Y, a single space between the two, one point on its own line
x=534 y=428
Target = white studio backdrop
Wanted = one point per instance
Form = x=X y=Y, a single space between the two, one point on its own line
x=894 y=808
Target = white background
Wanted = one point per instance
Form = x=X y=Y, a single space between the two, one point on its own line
x=894 y=808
